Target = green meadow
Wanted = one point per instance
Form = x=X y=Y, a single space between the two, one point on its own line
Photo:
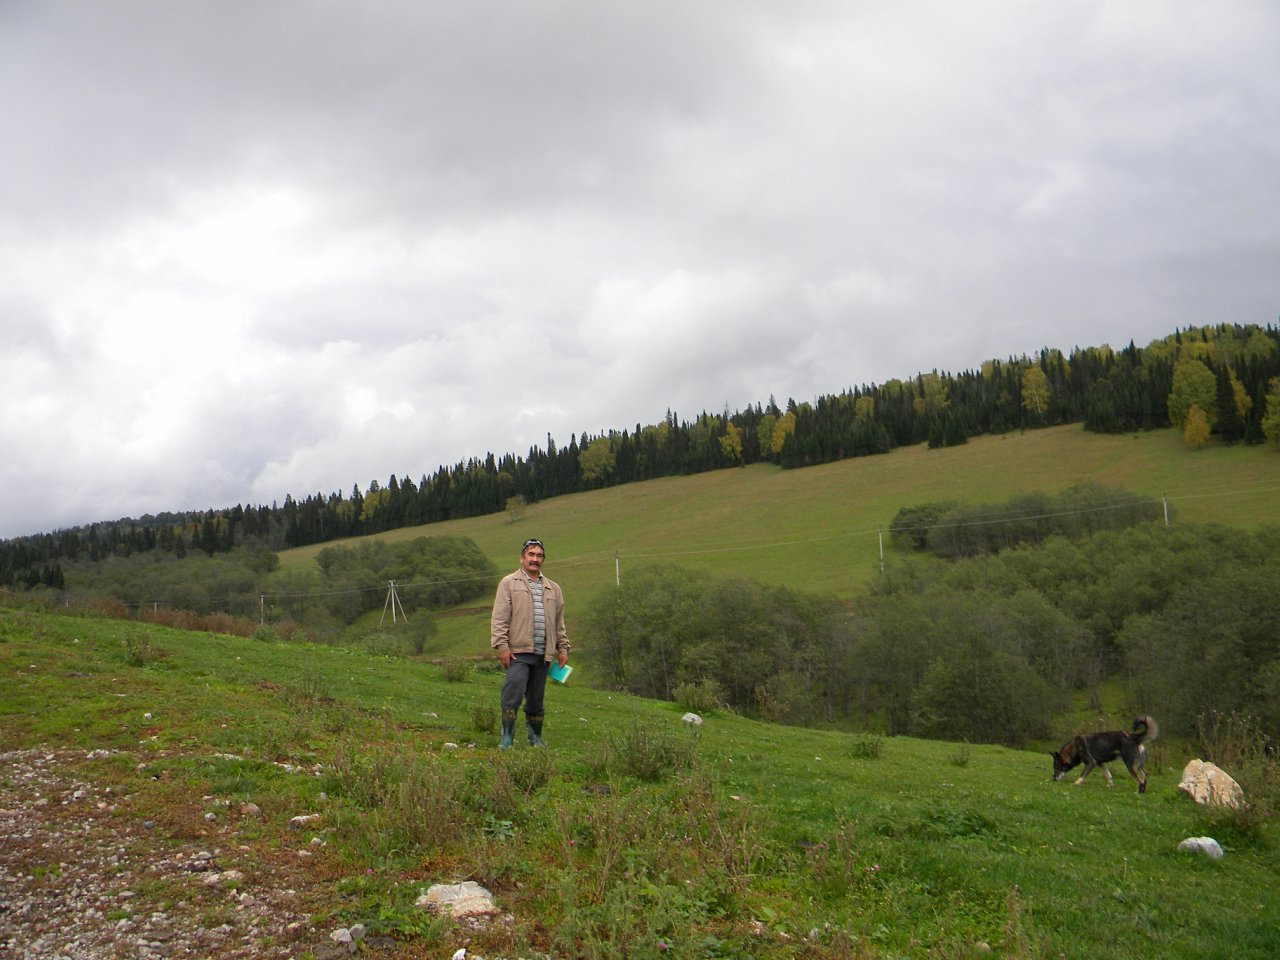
x=634 y=834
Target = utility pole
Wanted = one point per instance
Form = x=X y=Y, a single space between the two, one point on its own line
x=393 y=601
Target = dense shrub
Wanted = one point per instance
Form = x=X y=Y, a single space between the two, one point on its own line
x=957 y=530
x=721 y=640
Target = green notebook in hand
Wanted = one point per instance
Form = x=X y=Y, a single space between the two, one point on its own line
x=560 y=674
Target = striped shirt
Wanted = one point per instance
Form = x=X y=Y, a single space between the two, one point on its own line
x=539 y=618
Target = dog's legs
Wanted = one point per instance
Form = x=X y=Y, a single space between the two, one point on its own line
x=1107 y=773
x=1088 y=768
x=1136 y=766
x=1140 y=776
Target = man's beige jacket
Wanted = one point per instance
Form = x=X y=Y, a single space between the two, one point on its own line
x=511 y=625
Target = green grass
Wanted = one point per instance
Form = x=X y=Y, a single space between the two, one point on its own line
x=748 y=839
x=817 y=528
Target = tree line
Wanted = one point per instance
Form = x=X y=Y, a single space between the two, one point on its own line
x=1221 y=381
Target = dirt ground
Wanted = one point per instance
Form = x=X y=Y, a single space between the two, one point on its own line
x=86 y=874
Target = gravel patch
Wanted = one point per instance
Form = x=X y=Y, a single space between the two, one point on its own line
x=84 y=877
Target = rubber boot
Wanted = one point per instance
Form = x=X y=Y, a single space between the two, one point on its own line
x=508 y=731
x=535 y=731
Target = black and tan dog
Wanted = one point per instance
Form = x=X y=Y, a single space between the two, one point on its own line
x=1096 y=749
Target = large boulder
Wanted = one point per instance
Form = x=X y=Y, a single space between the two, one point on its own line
x=1209 y=784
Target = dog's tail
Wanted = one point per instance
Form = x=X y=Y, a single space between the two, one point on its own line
x=1145 y=728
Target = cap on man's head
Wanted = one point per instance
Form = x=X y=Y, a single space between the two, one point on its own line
x=530 y=543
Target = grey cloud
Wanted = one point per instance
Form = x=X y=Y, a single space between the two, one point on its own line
x=281 y=247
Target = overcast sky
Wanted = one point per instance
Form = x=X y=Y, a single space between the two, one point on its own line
x=250 y=249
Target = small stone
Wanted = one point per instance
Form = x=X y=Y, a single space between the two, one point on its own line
x=466 y=899
x=1206 y=845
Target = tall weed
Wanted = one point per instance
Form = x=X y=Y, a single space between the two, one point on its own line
x=484 y=717
x=411 y=800
x=647 y=752
x=866 y=746
x=455 y=669
x=1236 y=743
x=138 y=651
x=307 y=688
x=699 y=696
x=517 y=775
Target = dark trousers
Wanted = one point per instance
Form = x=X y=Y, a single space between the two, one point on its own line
x=526 y=680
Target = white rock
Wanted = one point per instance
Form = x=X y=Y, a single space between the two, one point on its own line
x=1206 y=845
x=227 y=876
x=467 y=899
x=692 y=718
x=1207 y=783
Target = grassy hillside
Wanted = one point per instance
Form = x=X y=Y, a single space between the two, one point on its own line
x=631 y=836
x=817 y=528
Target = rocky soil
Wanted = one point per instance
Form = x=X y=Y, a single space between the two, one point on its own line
x=87 y=874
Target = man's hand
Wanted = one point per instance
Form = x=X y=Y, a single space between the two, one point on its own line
x=563 y=658
x=504 y=655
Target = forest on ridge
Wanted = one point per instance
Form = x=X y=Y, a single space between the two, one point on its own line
x=1220 y=382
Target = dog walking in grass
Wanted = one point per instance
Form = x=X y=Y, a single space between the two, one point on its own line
x=1097 y=749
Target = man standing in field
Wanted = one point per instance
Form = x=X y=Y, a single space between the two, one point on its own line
x=527 y=629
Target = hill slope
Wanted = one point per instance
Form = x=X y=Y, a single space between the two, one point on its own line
x=817 y=528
